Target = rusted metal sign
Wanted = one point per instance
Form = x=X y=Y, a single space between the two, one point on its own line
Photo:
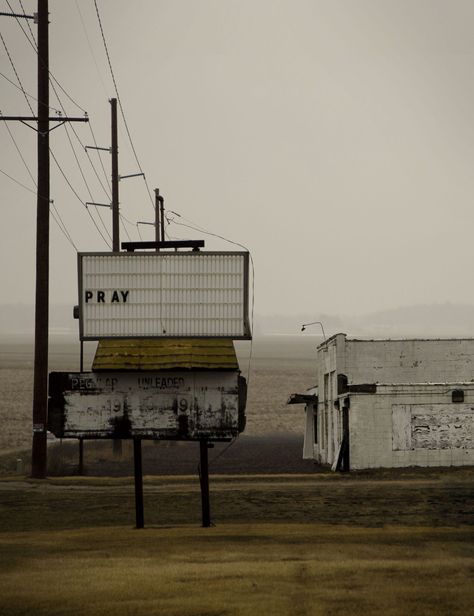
x=158 y=405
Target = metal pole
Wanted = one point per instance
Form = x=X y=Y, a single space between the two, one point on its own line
x=40 y=385
x=137 y=463
x=81 y=361
x=81 y=456
x=345 y=432
x=115 y=180
x=157 y=216
x=162 y=210
x=204 y=479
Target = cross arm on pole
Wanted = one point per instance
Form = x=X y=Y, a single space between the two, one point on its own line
x=34 y=17
x=130 y=175
x=61 y=119
x=25 y=119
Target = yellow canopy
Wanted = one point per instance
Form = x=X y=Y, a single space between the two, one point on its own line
x=165 y=354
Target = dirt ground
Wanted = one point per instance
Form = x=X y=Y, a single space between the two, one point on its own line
x=435 y=497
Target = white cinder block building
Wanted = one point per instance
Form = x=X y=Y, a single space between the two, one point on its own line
x=391 y=403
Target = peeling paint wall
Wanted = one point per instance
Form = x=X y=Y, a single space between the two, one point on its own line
x=412 y=425
x=409 y=361
x=433 y=426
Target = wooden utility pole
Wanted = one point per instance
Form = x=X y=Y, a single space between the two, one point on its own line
x=40 y=383
x=117 y=443
x=115 y=206
x=115 y=179
x=40 y=386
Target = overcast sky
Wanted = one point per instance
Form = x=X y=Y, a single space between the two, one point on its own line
x=334 y=139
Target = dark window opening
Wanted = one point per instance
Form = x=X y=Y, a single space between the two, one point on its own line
x=457 y=395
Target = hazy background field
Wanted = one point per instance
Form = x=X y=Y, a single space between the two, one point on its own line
x=279 y=366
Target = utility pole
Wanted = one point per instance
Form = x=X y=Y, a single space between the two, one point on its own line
x=114 y=205
x=40 y=385
x=115 y=179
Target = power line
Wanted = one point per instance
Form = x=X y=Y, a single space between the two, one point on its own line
x=32 y=112
x=55 y=214
x=78 y=163
x=200 y=230
x=100 y=159
x=67 y=134
x=27 y=23
x=18 y=182
x=124 y=227
x=33 y=192
x=78 y=197
x=120 y=103
x=16 y=74
x=24 y=92
x=63 y=228
x=19 y=152
x=82 y=173
x=21 y=26
x=32 y=42
x=91 y=49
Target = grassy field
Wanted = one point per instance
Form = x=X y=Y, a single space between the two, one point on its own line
x=237 y=569
x=366 y=544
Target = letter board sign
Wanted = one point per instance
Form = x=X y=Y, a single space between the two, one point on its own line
x=148 y=295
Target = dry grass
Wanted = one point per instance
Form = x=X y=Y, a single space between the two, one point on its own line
x=237 y=569
x=334 y=563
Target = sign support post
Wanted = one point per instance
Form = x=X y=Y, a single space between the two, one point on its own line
x=138 y=472
x=204 y=480
x=81 y=457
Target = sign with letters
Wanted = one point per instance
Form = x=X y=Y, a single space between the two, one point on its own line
x=186 y=405
x=163 y=294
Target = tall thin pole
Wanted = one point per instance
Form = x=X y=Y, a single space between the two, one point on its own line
x=138 y=474
x=204 y=477
x=117 y=443
x=115 y=180
x=40 y=385
x=162 y=213
x=157 y=216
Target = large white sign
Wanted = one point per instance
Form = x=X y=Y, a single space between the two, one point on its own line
x=148 y=295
